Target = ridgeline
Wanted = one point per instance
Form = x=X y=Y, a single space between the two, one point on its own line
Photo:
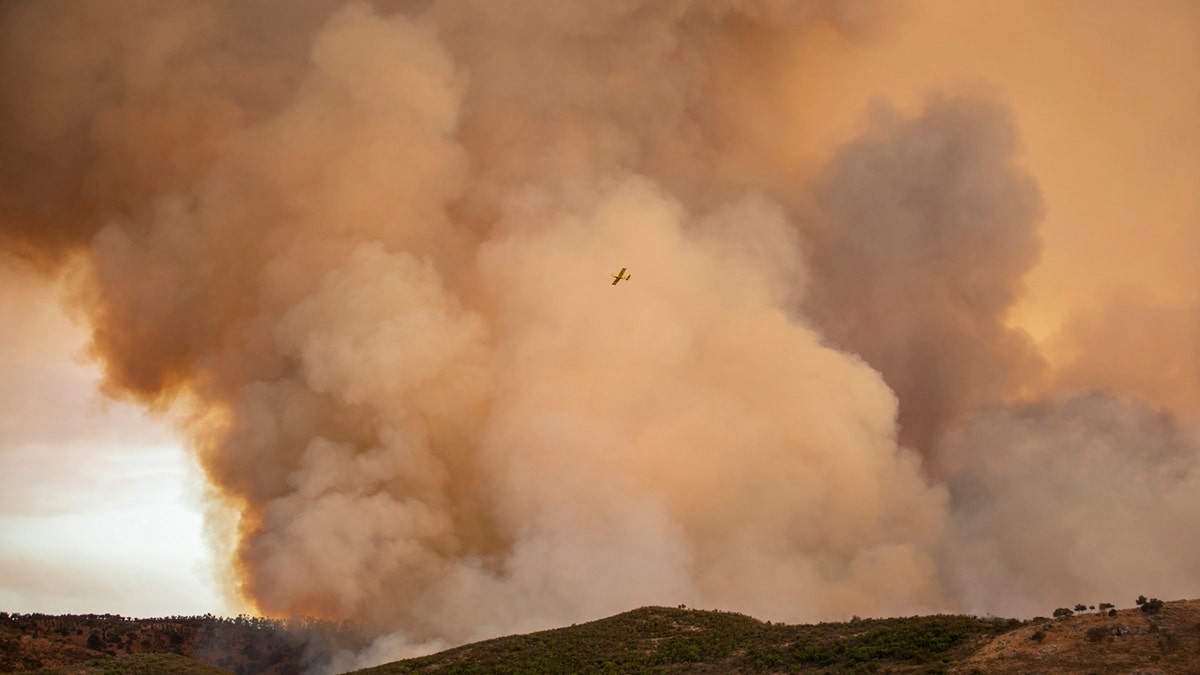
x=1153 y=637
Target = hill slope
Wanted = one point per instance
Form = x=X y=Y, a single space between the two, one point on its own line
x=646 y=640
x=137 y=664
x=242 y=645
x=1166 y=641
x=661 y=640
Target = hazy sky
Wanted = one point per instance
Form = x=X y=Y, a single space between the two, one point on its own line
x=913 y=322
x=99 y=504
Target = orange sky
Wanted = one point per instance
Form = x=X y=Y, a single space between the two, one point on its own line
x=1106 y=97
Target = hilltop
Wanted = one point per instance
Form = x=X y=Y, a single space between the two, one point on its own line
x=660 y=640
x=1158 y=638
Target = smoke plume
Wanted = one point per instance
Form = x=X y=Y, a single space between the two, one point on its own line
x=1107 y=484
x=930 y=230
x=362 y=252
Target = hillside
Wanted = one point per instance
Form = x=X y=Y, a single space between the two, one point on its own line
x=662 y=640
x=242 y=645
x=646 y=640
x=137 y=664
x=1165 y=641
x=659 y=640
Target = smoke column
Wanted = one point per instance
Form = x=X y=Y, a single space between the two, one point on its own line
x=945 y=223
x=362 y=253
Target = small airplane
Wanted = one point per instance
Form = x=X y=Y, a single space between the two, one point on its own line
x=619 y=276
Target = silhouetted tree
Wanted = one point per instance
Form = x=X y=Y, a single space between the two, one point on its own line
x=1061 y=612
x=1152 y=606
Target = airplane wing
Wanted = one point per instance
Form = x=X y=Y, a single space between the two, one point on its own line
x=618 y=277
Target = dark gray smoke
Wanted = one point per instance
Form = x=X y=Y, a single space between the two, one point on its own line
x=1070 y=500
x=929 y=226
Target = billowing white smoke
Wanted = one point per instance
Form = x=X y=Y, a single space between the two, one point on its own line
x=574 y=448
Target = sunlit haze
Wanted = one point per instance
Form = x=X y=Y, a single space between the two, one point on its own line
x=100 y=510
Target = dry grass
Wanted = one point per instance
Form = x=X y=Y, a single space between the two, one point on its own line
x=1133 y=641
